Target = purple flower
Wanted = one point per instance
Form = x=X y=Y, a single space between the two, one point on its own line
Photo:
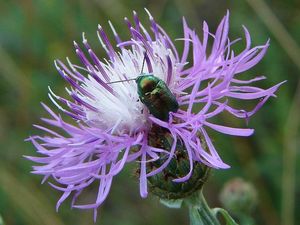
x=112 y=125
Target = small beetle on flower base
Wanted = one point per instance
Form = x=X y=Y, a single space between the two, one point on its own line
x=155 y=94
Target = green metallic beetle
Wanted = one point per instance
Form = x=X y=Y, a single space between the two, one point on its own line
x=157 y=97
x=154 y=94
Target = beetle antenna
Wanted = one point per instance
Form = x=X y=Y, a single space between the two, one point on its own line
x=118 y=81
x=143 y=64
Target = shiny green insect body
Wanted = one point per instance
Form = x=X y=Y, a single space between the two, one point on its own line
x=157 y=97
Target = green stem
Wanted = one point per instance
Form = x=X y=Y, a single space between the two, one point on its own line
x=1 y=221
x=199 y=211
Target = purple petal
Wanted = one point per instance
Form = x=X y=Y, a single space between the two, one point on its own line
x=230 y=130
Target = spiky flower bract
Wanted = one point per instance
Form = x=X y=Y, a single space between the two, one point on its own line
x=111 y=125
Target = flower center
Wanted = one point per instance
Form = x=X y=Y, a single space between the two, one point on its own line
x=121 y=110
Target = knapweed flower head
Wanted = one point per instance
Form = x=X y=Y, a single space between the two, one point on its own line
x=112 y=126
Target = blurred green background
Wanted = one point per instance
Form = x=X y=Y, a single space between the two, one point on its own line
x=34 y=32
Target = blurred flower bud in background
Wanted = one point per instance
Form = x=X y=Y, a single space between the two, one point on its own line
x=239 y=198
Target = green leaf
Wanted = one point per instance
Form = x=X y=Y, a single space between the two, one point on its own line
x=173 y=204
x=229 y=220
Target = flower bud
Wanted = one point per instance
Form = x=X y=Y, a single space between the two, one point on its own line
x=239 y=196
